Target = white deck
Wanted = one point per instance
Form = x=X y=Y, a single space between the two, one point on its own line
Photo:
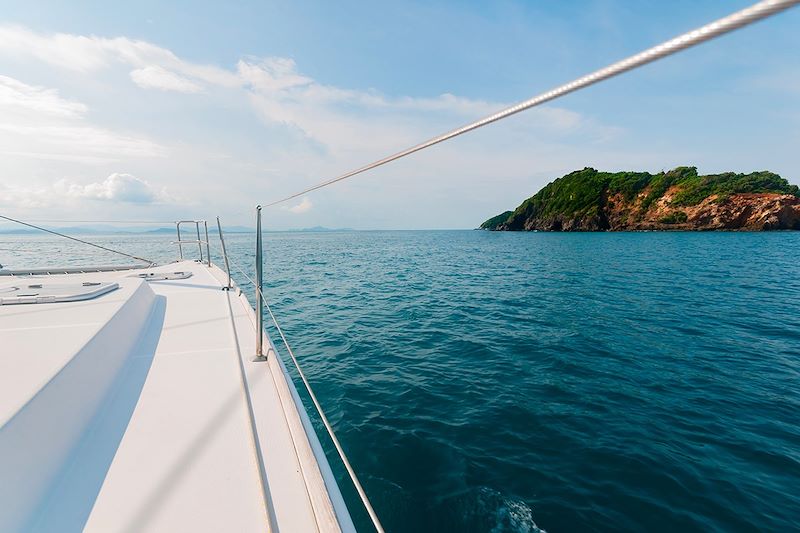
x=143 y=410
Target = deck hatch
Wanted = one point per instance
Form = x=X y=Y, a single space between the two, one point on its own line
x=160 y=276
x=40 y=293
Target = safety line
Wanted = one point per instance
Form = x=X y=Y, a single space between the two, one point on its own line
x=77 y=240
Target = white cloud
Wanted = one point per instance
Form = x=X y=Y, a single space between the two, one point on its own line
x=278 y=90
x=39 y=123
x=271 y=74
x=22 y=198
x=303 y=207
x=334 y=121
x=73 y=52
x=155 y=77
x=73 y=142
x=314 y=130
x=15 y=94
x=345 y=121
x=115 y=188
x=84 y=54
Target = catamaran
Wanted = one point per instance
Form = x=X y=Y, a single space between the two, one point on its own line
x=149 y=397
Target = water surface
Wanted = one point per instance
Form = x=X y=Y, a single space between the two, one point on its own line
x=508 y=381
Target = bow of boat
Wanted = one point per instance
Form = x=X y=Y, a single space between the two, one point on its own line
x=143 y=407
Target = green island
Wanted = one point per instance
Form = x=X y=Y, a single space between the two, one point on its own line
x=679 y=199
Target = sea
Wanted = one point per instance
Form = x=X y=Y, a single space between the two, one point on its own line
x=522 y=382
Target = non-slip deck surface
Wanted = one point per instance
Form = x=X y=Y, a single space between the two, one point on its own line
x=192 y=434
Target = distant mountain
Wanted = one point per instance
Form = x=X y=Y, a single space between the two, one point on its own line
x=589 y=200
x=20 y=231
x=190 y=227
x=235 y=229
x=115 y=230
x=317 y=229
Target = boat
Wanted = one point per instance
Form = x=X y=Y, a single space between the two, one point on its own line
x=139 y=399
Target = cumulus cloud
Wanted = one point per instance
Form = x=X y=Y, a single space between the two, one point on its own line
x=155 y=77
x=116 y=187
x=303 y=207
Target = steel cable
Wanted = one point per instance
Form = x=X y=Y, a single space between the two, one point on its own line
x=151 y=263
x=717 y=28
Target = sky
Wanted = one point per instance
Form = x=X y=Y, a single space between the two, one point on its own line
x=156 y=111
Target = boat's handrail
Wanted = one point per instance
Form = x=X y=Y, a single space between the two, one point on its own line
x=259 y=296
x=199 y=242
x=224 y=255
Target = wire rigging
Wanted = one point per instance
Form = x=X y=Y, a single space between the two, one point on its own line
x=149 y=262
x=692 y=38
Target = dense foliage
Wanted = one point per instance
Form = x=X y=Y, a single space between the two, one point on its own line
x=584 y=193
x=493 y=222
x=696 y=188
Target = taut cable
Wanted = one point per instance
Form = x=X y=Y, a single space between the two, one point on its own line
x=705 y=33
x=78 y=240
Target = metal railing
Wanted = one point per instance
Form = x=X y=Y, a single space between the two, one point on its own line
x=259 y=294
x=224 y=256
x=199 y=242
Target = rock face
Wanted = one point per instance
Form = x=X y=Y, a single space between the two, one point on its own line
x=588 y=200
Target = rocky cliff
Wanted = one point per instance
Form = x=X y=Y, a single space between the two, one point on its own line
x=588 y=200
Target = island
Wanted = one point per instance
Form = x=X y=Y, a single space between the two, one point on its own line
x=680 y=199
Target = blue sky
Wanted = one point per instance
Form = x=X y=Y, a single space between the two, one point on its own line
x=148 y=111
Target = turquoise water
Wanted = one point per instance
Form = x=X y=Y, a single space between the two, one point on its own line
x=508 y=381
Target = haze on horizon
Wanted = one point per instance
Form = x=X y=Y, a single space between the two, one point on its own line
x=142 y=111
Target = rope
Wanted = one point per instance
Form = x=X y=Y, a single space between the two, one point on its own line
x=78 y=240
x=362 y=494
x=717 y=28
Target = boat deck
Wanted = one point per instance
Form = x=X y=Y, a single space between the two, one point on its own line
x=145 y=409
